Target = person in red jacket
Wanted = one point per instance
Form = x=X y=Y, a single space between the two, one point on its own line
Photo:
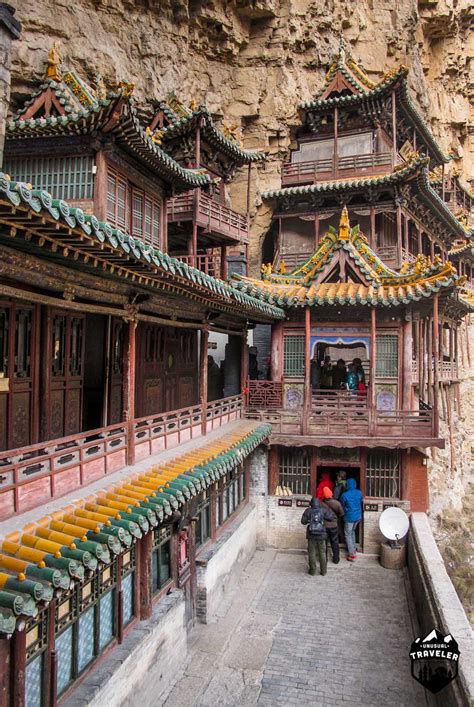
x=325 y=481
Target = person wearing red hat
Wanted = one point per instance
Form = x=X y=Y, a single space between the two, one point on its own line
x=331 y=525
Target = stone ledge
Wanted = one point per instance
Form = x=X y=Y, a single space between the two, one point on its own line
x=438 y=605
x=90 y=691
x=208 y=553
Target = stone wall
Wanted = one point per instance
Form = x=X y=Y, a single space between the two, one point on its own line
x=218 y=568
x=437 y=606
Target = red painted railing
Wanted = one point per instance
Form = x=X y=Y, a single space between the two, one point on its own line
x=33 y=475
x=214 y=217
x=312 y=171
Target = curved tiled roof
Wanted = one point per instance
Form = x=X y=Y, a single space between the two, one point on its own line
x=127 y=129
x=133 y=251
x=380 y=285
x=46 y=556
x=211 y=133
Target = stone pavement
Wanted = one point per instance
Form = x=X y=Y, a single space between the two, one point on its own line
x=287 y=638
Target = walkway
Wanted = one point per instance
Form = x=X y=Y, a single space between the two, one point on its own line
x=288 y=638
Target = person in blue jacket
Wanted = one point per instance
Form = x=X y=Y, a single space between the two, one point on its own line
x=351 y=501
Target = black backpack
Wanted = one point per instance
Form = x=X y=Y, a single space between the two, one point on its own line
x=316 y=522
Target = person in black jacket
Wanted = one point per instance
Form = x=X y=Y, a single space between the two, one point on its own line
x=314 y=518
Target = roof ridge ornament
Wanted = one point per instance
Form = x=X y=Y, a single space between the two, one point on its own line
x=344 y=226
x=55 y=58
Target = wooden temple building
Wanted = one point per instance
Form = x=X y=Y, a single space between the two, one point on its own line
x=122 y=483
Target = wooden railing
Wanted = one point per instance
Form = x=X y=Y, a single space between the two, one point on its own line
x=312 y=171
x=393 y=258
x=337 y=414
x=447 y=371
x=264 y=394
x=208 y=263
x=33 y=475
x=210 y=215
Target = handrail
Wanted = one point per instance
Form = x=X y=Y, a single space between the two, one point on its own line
x=210 y=214
x=294 y=171
x=36 y=473
x=210 y=263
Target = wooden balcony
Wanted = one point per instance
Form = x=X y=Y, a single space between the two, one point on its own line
x=208 y=263
x=33 y=475
x=394 y=257
x=216 y=219
x=296 y=173
x=339 y=418
x=447 y=371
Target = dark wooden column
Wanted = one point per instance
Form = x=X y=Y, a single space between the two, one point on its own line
x=420 y=240
x=18 y=668
x=422 y=371
x=164 y=225
x=429 y=359
x=435 y=366
x=249 y=176
x=203 y=376
x=394 y=127
x=129 y=388
x=373 y=363
x=316 y=232
x=144 y=574
x=407 y=363
x=399 y=232
x=335 y=157
x=307 y=370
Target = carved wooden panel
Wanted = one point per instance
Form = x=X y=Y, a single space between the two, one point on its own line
x=152 y=396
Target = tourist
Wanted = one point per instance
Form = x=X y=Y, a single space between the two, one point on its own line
x=359 y=370
x=340 y=486
x=339 y=375
x=351 y=378
x=324 y=481
x=326 y=373
x=214 y=380
x=314 y=372
x=253 y=363
x=314 y=518
x=332 y=525
x=351 y=501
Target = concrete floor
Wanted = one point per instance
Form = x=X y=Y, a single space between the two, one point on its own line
x=284 y=637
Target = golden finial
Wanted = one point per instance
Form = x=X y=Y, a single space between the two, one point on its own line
x=54 y=62
x=232 y=132
x=193 y=104
x=344 y=225
x=266 y=270
x=282 y=268
x=126 y=87
x=100 y=88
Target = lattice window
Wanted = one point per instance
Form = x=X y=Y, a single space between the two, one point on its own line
x=128 y=596
x=4 y=343
x=34 y=682
x=75 y=355
x=293 y=357
x=231 y=494
x=161 y=558
x=203 y=524
x=68 y=178
x=65 y=654
x=85 y=643
x=383 y=473
x=59 y=341
x=295 y=470
x=22 y=358
x=133 y=210
x=106 y=619
x=387 y=356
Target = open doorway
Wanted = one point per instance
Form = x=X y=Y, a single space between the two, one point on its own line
x=352 y=472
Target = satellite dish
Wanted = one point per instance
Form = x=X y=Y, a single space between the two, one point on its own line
x=394 y=523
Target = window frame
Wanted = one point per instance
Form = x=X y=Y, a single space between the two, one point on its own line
x=142 y=211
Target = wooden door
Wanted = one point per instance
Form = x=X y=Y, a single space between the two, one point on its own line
x=62 y=374
x=18 y=378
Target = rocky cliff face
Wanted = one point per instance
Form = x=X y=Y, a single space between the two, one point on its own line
x=254 y=61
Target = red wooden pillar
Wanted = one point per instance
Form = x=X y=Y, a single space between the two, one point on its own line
x=373 y=363
x=164 y=225
x=373 y=235
x=399 y=233
x=434 y=333
x=276 y=361
x=224 y=262
x=5 y=671
x=203 y=377
x=249 y=175
x=316 y=232
x=244 y=362
x=100 y=186
x=129 y=389
x=307 y=370
x=407 y=365
x=18 y=668
x=336 y=126
x=394 y=127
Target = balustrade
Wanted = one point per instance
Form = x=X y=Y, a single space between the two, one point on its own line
x=447 y=371
x=211 y=215
x=208 y=263
x=311 y=171
x=33 y=475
